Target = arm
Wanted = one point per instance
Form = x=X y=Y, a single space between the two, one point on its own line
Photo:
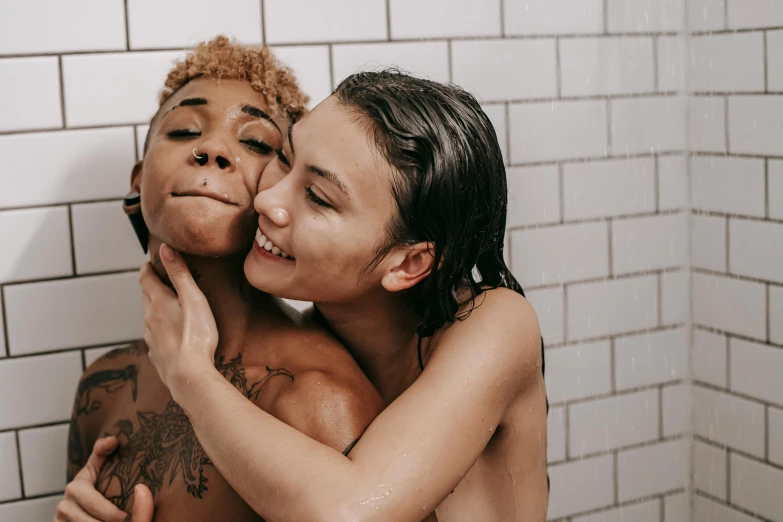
x=410 y=457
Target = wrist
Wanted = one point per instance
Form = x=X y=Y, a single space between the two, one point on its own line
x=184 y=377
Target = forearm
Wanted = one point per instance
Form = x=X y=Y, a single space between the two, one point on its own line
x=281 y=473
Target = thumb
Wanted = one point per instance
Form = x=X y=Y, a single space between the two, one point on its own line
x=179 y=274
x=143 y=507
x=100 y=452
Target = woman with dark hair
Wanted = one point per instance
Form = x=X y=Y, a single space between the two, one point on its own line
x=387 y=209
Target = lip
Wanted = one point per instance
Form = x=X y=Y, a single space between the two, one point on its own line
x=204 y=193
x=262 y=252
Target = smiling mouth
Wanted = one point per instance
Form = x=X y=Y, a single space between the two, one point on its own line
x=267 y=244
x=204 y=194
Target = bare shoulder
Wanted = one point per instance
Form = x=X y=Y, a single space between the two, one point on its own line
x=499 y=330
x=327 y=396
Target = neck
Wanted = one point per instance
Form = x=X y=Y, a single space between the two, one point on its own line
x=234 y=303
x=380 y=333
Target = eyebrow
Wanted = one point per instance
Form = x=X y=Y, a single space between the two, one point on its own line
x=192 y=101
x=258 y=113
x=330 y=177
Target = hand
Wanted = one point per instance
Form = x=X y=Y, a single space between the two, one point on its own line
x=83 y=503
x=180 y=328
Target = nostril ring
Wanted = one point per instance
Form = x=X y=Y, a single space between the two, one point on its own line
x=198 y=157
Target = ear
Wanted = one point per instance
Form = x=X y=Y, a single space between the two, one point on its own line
x=135 y=179
x=409 y=265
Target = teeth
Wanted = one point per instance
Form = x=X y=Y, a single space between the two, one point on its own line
x=267 y=245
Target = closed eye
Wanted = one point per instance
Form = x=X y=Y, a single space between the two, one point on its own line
x=282 y=158
x=258 y=146
x=315 y=199
x=183 y=133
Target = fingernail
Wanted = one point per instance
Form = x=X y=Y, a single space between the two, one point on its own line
x=166 y=252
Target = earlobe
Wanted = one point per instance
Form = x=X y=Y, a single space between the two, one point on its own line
x=131 y=204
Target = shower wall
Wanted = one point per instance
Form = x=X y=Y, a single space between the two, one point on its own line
x=588 y=99
x=736 y=161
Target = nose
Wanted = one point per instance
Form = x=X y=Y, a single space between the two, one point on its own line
x=213 y=153
x=271 y=203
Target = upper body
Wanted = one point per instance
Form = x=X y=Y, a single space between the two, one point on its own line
x=238 y=102
x=390 y=200
x=283 y=364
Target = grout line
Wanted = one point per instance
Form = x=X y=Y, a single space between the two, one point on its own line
x=502 y=5
x=728 y=246
x=660 y=299
x=612 y=366
x=579 y=342
x=656 y=52
x=263 y=24
x=507 y=111
x=567 y=429
x=5 y=321
x=558 y=71
x=727 y=343
x=36 y=426
x=726 y=123
x=660 y=412
x=768 y=318
x=725 y=14
x=766 y=63
x=561 y=192
x=606 y=16
x=565 y=312
x=726 y=391
x=661 y=509
x=610 y=242
x=84 y=361
x=73 y=247
x=450 y=61
x=609 y=150
x=657 y=184
x=68 y=349
x=19 y=458
x=127 y=27
x=58 y=205
x=388 y=20
x=766 y=188
x=766 y=432
x=62 y=93
x=728 y=474
x=332 y=79
x=616 y=475
x=33 y=497
x=734 y=508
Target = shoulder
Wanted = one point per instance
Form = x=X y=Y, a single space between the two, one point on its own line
x=119 y=364
x=498 y=330
x=332 y=406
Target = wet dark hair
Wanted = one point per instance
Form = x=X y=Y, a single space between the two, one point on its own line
x=450 y=186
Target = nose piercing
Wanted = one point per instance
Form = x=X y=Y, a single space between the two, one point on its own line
x=205 y=181
x=198 y=157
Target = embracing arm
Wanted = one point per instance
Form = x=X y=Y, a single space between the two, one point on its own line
x=409 y=459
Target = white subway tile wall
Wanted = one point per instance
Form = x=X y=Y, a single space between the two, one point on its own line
x=588 y=101
x=735 y=136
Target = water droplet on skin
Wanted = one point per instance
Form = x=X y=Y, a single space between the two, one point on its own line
x=318 y=382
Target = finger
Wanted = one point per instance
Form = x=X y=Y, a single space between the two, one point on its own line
x=143 y=507
x=151 y=285
x=100 y=452
x=90 y=501
x=179 y=274
x=69 y=511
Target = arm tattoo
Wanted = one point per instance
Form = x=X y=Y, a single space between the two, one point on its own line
x=164 y=446
x=107 y=380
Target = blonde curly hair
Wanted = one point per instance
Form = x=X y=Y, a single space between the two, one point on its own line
x=222 y=59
